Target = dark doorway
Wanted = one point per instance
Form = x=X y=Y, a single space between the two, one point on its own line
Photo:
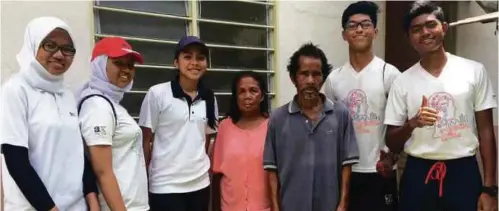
x=398 y=50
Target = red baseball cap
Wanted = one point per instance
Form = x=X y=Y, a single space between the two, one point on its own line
x=115 y=47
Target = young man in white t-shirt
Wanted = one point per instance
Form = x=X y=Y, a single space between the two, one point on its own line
x=363 y=84
x=439 y=112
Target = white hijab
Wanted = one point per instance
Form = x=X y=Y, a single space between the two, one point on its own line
x=99 y=83
x=31 y=70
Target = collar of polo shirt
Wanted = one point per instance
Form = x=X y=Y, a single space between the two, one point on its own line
x=295 y=108
x=203 y=92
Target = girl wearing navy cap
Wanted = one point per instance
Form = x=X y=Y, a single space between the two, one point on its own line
x=176 y=119
x=113 y=137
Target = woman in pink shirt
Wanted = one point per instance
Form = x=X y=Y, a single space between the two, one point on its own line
x=239 y=178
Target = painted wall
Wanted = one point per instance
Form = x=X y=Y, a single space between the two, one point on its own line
x=15 y=15
x=317 y=21
x=478 y=42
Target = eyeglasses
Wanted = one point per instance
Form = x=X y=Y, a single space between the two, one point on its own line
x=52 y=47
x=352 y=25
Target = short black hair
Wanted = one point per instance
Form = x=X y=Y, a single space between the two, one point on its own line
x=309 y=50
x=422 y=7
x=234 y=112
x=361 y=7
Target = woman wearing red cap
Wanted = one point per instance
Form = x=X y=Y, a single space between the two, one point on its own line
x=113 y=137
x=180 y=115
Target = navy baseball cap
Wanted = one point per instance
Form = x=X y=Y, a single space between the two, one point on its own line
x=190 y=40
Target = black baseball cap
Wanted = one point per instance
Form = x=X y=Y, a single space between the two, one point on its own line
x=191 y=40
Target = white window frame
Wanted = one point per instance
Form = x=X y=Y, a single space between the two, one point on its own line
x=192 y=18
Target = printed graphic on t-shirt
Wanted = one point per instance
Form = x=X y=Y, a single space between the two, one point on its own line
x=100 y=130
x=363 y=118
x=450 y=122
x=388 y=199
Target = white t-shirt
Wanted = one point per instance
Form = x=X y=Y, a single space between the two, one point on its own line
x=97 y=124
x=462 y=89
x=364 y=93
x=46 y=124
x=179 y=163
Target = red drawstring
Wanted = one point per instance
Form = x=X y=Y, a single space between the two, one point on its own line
x=440 y=170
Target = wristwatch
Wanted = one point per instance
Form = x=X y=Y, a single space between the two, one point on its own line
x=490 y=190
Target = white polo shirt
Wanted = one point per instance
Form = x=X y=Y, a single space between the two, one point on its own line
x=46 y=124
x=462 y=89
x=364 y=93
x=98 y=127
x=179 y=163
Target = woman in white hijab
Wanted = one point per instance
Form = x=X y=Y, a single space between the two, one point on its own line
x=44 y=163
x=113 y=137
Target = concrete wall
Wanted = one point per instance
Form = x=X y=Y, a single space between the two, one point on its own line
x=319 y=22
x=477 y=41
x=15 y=15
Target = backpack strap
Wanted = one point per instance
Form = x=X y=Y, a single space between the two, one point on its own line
x=85 y=149
x=105 y=98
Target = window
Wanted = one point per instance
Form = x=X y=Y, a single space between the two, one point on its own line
x=239 y=34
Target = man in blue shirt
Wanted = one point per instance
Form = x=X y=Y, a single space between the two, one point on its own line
x=310 y=144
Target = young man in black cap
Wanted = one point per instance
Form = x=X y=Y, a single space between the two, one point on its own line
x=177 y=117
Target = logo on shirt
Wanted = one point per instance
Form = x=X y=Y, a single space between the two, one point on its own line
x=388 y=199
x=356 y=101
x=449 y=122
x=100 y=130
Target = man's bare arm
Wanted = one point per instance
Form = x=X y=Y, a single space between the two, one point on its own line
x=274 y=190
x=396 y=136
x=346 y=172
x=486 y=137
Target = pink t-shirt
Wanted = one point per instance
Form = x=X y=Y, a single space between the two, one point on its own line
x=238 y=156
